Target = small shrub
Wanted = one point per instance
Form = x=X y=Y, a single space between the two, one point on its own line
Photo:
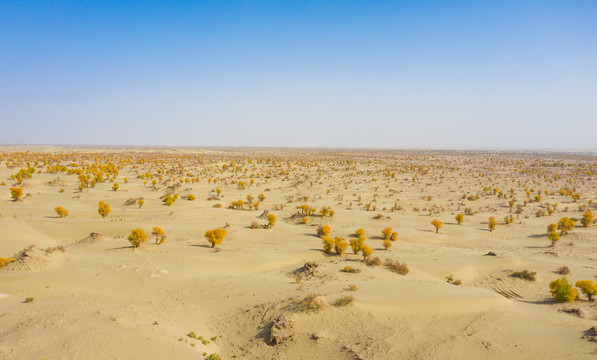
x=451 y=280
x=352 y=287
x=5 y=261
x=29 y=300
x=347 y=269
x=564 y=270
x=562 y=290
x=525 y=275
x=305 y=220
x=255 y=225
x=397 y=266
x=373 y=261
x=312 y=302
x=360 y=232
x=60 y=211
x=213 y=357
x=141 y=202
x=191 y=197
x=344 y=301
x=115 y=187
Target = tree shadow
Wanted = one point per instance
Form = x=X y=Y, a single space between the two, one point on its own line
x=537 y=236
x=200 y=245
x=122 y=247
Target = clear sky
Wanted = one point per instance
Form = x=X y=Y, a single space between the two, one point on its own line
x=382 y=74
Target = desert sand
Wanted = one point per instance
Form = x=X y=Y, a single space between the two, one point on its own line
x=94 y=296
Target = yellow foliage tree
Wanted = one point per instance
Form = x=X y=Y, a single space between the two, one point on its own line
x=16 y=193
x=492 y=224
x=360 y=232
x=366 y=251
x=459 y=219
x=215 y=236
x=387 y=244
x=61 y=212
x=137 y=237
x=104 y=209
x=328 y=244
x=588 y=287
x=160 y=235
x=387 y=232
x=340 y=245
x=271 y=220
x=323 y=230
x=565 y=225
x=587 y=218
x=357 y=244
x=438 y=224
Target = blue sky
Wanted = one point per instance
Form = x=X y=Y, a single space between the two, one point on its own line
x=377 y=74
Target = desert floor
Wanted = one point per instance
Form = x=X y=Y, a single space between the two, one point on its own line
x=99 y=298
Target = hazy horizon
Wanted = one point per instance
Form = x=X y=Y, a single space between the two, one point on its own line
x=384 y=75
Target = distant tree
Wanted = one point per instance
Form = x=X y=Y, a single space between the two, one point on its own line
x=323 y=230
x=160 y=235
x=357 y=244
x=562 y=290
x=387 y=232
x=340 y=245
x=588 y=287
x=438 y=225
x=141 y=202
x=104 y=209
x=387 y=244
x=271 y=220
x=328 y=244
x=366 y=251
x=16 y=193
x=215 y=236
x=137 y=237
x=587 y=218
x=459 y=219
x=554 y=237
x=565 y=225
x=60 y=211
x=492 y=223
x=115 y=187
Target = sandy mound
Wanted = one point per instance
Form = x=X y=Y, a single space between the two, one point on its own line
x=93 y=238
x=33 y=258
x=58 y=182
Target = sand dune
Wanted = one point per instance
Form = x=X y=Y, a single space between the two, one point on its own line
x=96 y=297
